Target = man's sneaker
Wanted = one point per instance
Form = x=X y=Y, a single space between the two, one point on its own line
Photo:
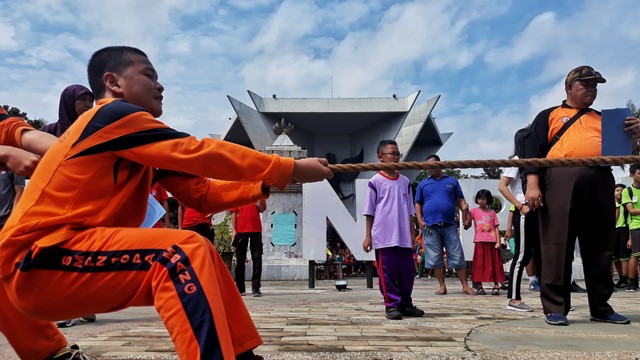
x=614 y=318
x=412 y=311
x=66 y=323
x=393 y=313
x=632 y=284
x=556 y=319
x=534 y=285
x=577 y=288
x=256 y=293
x=89 y=318
x=519 y=307
x=622 y=283
x=73 y=352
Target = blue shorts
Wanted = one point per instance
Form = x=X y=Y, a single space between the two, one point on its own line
x=437 y=238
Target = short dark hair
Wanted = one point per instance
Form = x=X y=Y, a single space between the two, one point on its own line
x=620 y=186
x=109 y=59
x=383 y=144
x=485 y=194
x=634 y=168
x=433 y=156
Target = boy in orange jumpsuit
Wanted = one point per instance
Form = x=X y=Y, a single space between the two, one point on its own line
x=75 y=237
x=29 y=338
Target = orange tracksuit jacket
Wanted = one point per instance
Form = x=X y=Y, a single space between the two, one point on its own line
x=74 y=235
x=30 y=338
x=11 y=129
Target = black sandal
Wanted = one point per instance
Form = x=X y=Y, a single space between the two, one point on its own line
x=496 y=290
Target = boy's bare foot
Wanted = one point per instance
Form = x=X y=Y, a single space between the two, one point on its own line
x=468 y=291
x=441 y=291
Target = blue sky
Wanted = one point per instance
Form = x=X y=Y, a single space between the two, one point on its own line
x=495 y=63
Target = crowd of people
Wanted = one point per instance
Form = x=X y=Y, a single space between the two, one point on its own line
x=550 y=211
x=82 y=245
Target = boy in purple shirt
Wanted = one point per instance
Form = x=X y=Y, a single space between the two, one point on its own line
x=388 y=210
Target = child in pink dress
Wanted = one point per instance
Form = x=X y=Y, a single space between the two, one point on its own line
x=487 y=261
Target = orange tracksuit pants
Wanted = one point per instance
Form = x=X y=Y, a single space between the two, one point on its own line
x=31 y=339
x=107 y=269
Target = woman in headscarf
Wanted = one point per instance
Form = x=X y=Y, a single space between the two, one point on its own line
x=74 y=100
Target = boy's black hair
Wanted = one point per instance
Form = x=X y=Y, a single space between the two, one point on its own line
x=109 y=59
x=485 y=194
x=432 y=156
x=633 y=168
x=620 y=186
x=383 y=144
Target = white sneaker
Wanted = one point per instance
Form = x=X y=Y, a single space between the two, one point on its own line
x=89 y=318
x=73 y=353
x=66 y=323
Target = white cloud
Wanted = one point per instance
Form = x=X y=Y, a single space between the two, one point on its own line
x=540 y=34
x=7 y=33
x=480 y=132
x=204 y=50
x=281 y=32
x=250 y=4
x=365 y=61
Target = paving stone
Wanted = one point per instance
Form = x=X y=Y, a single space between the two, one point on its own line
x=365 y=348
x=324 y=324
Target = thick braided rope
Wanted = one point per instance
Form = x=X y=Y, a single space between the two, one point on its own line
x=478 y=164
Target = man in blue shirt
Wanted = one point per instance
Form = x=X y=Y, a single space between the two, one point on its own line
x=435 y=202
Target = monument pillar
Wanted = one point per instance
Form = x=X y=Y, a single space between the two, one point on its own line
x=279 y=261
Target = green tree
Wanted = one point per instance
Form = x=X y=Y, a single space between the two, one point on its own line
x=634 y=109
x=36 y=123
x=222 y=232
x=173 y=212
x=454 y=173
x=14 y=111
x=492 y=173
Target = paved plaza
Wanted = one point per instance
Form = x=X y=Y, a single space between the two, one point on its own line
x=322 y=323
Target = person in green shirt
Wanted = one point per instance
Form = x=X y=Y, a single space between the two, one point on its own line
x=631 y=202
x=621 y=253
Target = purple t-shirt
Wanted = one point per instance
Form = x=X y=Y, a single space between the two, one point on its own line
x=389 y=202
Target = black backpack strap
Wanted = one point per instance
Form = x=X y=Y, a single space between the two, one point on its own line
x=566 y=126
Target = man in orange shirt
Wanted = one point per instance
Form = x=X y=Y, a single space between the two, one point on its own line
x=247 y=231
x=81 y=245
x=29 y=338
x=577 y=200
